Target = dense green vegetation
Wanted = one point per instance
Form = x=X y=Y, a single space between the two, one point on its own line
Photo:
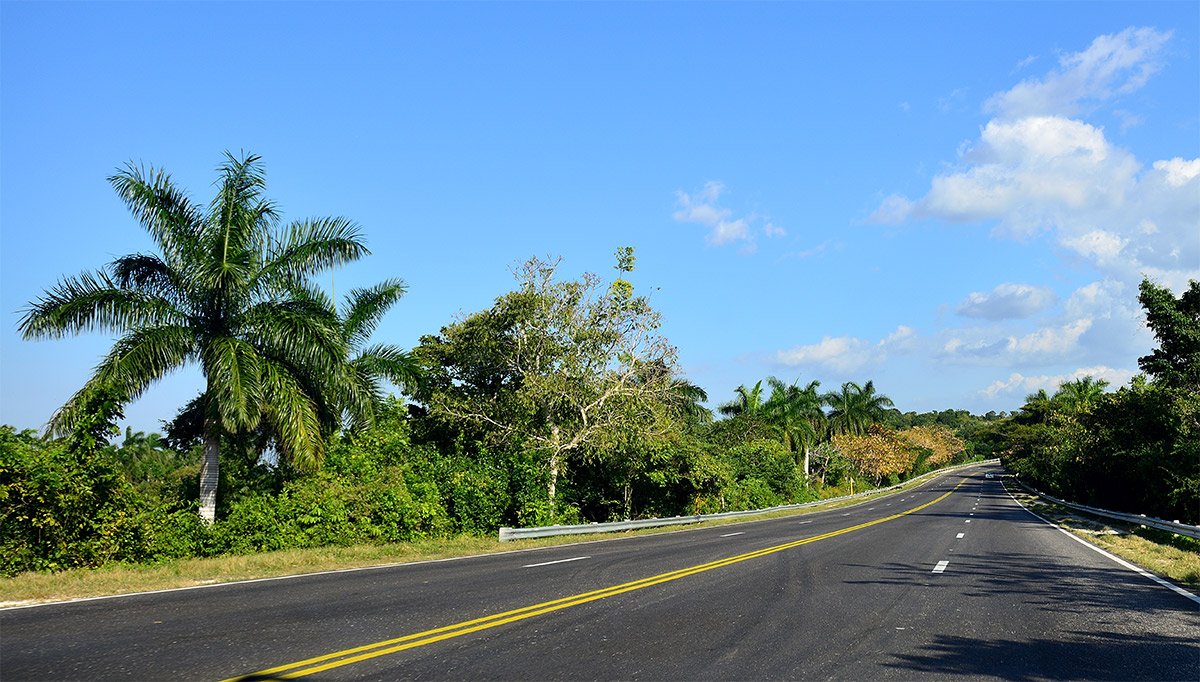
x=1136 y=449
x=560 y=403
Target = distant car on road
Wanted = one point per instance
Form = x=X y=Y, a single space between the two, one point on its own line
x=989 y=475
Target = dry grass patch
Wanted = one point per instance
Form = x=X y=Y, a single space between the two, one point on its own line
x=1169 y=555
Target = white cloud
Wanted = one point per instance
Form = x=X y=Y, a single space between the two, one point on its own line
x=842 y=353
x=725 y=231
x=810 y=252
x=1050 y=341
x=847 y=354
x=1113 y=65
x=902 y=336
x=1117 y=328
x=1128 y=120
x=1021 y=384
x=1100 y=324
x=1178 y=172
x=893 y=210
x=1044 y=345
x=953 y=101
x=1038 y=168
x=1097 y=245
x=1007 y=301
x=701 y=207
x=1057 y=175
x=723 y=228
x=1035 y=170
x=1031 y=175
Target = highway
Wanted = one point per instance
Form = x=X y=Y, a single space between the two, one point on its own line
x=949 y=580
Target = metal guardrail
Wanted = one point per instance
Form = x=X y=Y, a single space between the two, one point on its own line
x=1139 y=519
x=507 y=534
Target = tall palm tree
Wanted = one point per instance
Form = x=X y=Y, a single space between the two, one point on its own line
x=855 y=407
x=687 y=399
x=796 y=412
x=1081 y=394
x=351 y=397
x=1037 y=409
x=230 y=291
x=748 y=402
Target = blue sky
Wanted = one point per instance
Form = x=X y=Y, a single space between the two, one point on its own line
x=956 y=200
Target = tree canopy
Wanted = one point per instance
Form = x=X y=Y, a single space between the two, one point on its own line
x=229 y=290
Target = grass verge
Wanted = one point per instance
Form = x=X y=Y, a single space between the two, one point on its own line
x=1169 y=555
x=33 y=588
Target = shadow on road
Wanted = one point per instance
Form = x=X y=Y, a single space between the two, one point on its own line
x=1069 y=655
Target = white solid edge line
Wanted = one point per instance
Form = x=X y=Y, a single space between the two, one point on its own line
x=1136 y=569
x=556 y=561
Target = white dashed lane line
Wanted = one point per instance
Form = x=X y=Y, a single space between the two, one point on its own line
x=941 y=566
x=959 y=536
x=560 y=561
x=729 y=535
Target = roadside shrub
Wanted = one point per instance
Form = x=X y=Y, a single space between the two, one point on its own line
x=61 y=507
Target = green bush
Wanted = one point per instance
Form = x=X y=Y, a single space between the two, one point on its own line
x=62 y=507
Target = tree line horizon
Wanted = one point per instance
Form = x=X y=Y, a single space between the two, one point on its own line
x=562 y=402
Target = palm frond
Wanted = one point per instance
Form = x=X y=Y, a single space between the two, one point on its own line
x=150 y=274
x=390 y=362
x=136 y=361
x=294 y=415
x=93 y=302
x=233 y=369
x=239 y=224
x=301 y=329
x=312 y=246
x=166 y=213
x=366 y=307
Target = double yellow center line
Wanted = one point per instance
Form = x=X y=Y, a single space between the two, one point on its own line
x=338 y=659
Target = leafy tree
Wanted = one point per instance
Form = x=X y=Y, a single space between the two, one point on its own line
x=877 y=453
x=829 y=462
x=855 y=407
x=1176 y=324
x=230 y=291
x=556 y=367
x=937 y=443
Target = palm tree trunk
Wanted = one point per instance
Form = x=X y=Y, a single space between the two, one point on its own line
x=628 y=492
x=806 y=462
x=209 y=473
x=552 y=486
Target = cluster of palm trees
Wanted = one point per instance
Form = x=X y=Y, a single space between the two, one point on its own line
x=1071 y=398
x=232 y=291
x=797 y=413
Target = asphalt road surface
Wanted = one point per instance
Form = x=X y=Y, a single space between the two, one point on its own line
x=953 y=579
